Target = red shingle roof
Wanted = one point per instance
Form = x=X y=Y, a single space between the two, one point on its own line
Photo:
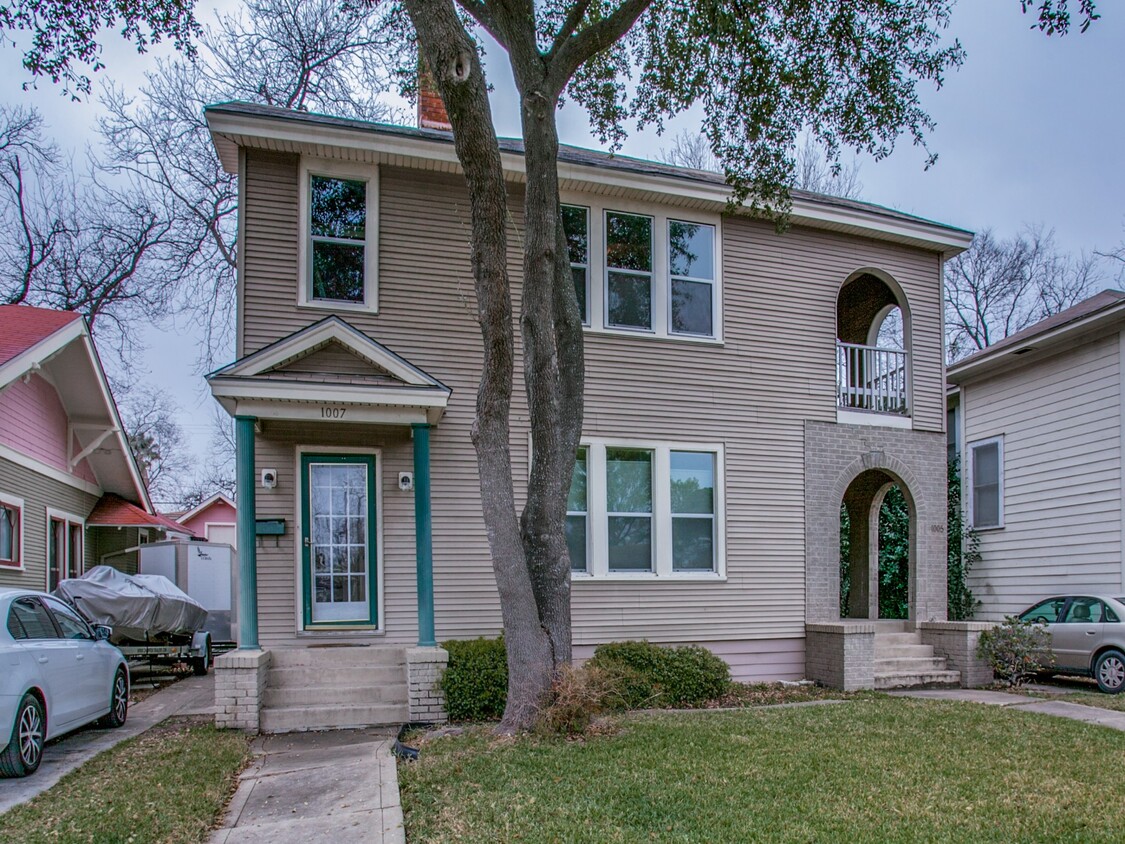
x=113 y=511
x=22 y=326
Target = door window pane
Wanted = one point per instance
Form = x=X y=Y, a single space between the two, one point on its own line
x=33 y=619
x=1084 y=611
x=338 y=511
x=1045 y=613
x=577 y=513
x=629 y=508
x=71 y=625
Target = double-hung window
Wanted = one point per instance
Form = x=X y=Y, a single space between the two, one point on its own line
x=576 y=225
x=338 y=255
x=11 y=514
x=646 y=509
x=986 y=472
x=629 y=263
x=691 y=264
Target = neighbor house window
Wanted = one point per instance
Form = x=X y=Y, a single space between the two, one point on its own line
x=64 y=547
x=577 y=514
x=629 y=260
x=11 y=513
x=691 y=264
x=338 y=235
x=987 y=473
x=638 y=510
x=576 y=225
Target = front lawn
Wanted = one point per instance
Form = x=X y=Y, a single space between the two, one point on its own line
x=167 y=785
x=872 y=769
x=1098 y=699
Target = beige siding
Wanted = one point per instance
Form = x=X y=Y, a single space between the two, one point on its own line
x=38 y=493
x=775 y=369
x=1060 y=420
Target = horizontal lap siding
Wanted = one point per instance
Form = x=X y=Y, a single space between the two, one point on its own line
x=1060 y=419
x=38 y=493
x=750 y=661
x=776 y=368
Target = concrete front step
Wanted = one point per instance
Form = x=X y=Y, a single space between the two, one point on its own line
x=898 y=638
x=337 y=657
x=903 y=651
x=910 y=665
x=330 y=677
x=330 y=696
x=291 y=719
x=924 y=678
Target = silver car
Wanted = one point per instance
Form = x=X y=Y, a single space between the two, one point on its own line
x=56 y=674
x=1087 y=636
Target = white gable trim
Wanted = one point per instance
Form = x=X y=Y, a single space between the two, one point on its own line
x=31 y=359
x=318 y=334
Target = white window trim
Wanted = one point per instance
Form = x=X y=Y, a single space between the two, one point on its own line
x=713 y=282
x=969 y=473
x=596 y=298
x=339 y=170
x=13 y=502
x=597 y=519
x=69 y=520
x=327 y=630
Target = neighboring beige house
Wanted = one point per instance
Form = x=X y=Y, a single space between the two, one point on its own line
x=1040 y=437
x=737 y=394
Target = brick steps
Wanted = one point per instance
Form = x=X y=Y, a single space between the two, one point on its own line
x=902 y=662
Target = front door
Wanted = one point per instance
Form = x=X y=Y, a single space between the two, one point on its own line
x=338 y=537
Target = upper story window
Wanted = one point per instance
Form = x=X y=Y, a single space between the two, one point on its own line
x=643 y=272
x=338 y=255
x=576 y=225
x=641 y=509
x=986 y=471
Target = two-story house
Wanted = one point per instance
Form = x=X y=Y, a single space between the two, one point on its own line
x=738 y=394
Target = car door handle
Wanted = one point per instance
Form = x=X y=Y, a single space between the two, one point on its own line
x=1091 y=632
x=42 y=660
x=80 y=657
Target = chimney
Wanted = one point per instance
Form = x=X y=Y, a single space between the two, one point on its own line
x=431 y=109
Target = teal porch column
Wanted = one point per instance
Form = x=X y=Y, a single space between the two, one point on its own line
x=247 y=538
x=423 y=536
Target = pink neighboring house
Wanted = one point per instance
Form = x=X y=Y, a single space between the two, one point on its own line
x=213 y=520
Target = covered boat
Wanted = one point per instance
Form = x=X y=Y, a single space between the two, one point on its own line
x=139 y=608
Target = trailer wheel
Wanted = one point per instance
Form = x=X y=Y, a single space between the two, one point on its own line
x=202 y=664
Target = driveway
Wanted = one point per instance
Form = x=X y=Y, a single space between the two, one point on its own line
x=190 y=696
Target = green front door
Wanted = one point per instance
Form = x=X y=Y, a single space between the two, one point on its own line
x=338 y=537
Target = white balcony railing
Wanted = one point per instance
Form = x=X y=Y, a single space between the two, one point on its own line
x=870 y=378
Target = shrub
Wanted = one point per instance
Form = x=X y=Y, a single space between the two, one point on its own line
x=476 y=680
x=1016 y=649
x=650 y=675
x=578 y=695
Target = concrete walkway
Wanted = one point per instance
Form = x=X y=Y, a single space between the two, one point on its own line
x=339 y=786
x=1059 y=708
x=190 y=696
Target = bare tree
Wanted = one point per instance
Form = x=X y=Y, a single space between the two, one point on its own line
x=303 y=54
x=812 y=171
x=216 y=473
x=149 y=415
x=999 y=287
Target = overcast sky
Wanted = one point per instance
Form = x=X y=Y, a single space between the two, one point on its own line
x=1029 y=132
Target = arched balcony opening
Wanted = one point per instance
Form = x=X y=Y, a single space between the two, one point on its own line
x=872 y=346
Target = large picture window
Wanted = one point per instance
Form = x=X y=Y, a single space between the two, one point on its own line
x=987 y=477
x=646 y=509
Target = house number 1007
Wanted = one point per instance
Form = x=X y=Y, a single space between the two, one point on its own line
x=332 y=412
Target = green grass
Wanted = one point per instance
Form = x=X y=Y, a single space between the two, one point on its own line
x=1098 y=699
x=167 y=785
x=873 y=769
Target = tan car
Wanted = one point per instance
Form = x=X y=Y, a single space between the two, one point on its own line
x=1087 y=636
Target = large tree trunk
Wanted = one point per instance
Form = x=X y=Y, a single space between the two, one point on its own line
x=553 y=360
x=456 y=68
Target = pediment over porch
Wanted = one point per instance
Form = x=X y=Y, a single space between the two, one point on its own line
x=329 y=371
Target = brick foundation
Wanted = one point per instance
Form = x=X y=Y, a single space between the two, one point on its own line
x=957 y=642
x=424 y=668
x=240 y=679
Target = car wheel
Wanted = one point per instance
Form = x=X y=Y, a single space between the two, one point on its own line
x=118 y=701
x=201 y=665
x=25 y=749
x=1109 y=671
